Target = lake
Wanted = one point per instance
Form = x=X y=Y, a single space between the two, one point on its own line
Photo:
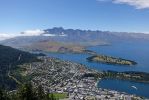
x=132 y=50
x=141 y=89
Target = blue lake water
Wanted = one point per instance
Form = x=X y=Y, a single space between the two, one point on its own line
x=136 y=50
x=142 y=89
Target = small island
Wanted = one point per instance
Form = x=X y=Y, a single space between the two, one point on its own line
x=110 y=60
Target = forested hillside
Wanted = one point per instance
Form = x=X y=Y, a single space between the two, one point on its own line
x=9 y=59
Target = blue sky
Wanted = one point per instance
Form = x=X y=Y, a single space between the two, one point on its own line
x=112 y=15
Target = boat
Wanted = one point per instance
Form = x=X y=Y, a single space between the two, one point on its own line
x=134 y=87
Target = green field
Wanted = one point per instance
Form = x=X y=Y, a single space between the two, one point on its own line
x=58 y=96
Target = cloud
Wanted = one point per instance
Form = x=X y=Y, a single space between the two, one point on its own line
x=36 y=32
x=138 y=4
x=61 y=34
x=4 y=36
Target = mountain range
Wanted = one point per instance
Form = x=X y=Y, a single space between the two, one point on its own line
x=59 y=38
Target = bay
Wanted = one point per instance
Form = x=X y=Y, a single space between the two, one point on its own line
x=132 y=50
x=141 y=89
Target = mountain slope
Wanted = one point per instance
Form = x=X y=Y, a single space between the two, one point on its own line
x=89 y=35
x=9 y=59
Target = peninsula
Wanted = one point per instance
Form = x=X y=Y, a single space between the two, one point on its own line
x=110 y=60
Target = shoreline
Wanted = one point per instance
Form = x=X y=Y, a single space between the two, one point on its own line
x=85 y=65
x=110 y=60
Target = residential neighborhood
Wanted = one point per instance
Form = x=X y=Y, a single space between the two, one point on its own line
x=58 y=76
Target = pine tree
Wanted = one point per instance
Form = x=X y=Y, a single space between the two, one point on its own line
x=3 y=95
x=26 y=92
x=40 y=93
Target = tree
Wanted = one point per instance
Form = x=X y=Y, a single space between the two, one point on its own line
x=26 y=92
x=3 y=95
x=40 y=93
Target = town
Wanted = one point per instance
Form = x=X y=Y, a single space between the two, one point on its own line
x=58 y=76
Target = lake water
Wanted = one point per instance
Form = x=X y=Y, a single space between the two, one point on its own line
x=136 y=50
x=142 y=89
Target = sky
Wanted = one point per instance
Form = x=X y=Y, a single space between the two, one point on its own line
x=108 y=15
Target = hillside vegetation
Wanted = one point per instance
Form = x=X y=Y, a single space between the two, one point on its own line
x=28 y=92
x=9 y=59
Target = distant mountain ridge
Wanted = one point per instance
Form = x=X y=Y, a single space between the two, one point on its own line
x=77 y=36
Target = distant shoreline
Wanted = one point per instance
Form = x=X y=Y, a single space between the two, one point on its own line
x=110 y=60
